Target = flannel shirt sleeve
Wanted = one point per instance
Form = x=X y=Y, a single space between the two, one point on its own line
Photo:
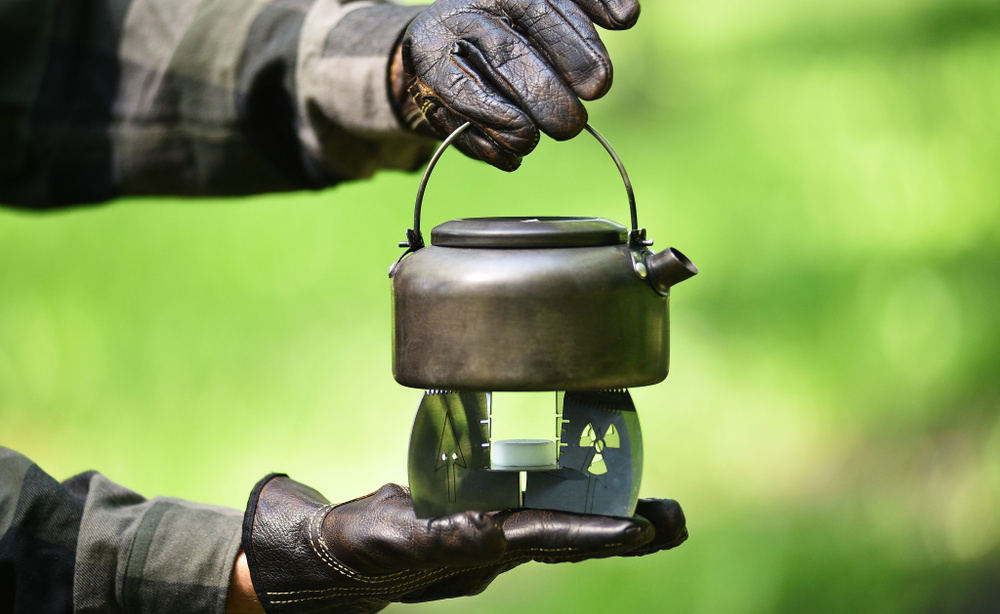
x=88 y=545
x=105 y=98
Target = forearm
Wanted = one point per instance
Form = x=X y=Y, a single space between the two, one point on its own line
x=242 y=598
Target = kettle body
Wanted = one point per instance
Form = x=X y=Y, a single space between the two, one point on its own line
x=518 y=304
x=528 y=304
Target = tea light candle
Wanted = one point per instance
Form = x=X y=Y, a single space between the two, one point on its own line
x=523 y=454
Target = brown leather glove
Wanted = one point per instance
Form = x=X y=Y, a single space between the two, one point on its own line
x=511 y=67
x=307 y=555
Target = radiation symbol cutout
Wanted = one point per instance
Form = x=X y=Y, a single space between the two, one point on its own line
x=590 y=438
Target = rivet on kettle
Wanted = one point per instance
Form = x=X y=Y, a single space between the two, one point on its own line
x=640 y=270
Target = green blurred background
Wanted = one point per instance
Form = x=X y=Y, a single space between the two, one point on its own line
x=831 y=420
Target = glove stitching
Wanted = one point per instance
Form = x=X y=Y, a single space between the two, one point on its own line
x=420 y=576
x=423 y=578
x=414 y=118
x=424 y=99
x=409 y=579
x=324 y=552
x=420 y=93
x=325 y=555
x=417 y=578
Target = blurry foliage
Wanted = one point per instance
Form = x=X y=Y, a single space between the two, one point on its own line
x=830 y=423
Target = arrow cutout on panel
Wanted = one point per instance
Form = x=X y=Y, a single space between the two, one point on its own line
x=450 y=456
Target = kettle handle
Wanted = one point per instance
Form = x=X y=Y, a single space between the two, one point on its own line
x=415 y=241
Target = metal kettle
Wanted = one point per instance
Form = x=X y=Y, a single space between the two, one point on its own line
x=546 y=303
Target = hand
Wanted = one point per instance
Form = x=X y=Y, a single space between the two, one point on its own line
x=306 y=555
x=511 y=67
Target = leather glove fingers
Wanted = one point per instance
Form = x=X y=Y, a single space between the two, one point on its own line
x=549 y=537
x=307 y=555
x=557 y=537
x=380 y=534
x=611 y=14
x=511 y=67
x=669 y=524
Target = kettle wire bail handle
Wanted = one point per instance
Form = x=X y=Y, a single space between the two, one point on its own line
x=415 y=240
x=636 y=236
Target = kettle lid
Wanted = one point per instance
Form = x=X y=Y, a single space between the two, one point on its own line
x=529 y=232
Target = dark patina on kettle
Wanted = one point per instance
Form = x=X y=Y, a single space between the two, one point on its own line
x=547 y=303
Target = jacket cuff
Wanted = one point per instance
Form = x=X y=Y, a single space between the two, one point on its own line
x=347 y=124
x=152 y=556
x=343 y=65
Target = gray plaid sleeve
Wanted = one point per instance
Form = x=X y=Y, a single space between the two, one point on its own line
x=39 y=522
x=195 y=97
x=88 y=545
x=152 y=556
x=341 y=84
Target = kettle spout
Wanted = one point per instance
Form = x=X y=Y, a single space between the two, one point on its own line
x=668 y=268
